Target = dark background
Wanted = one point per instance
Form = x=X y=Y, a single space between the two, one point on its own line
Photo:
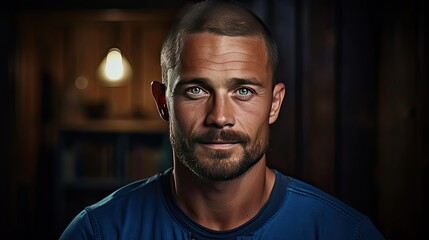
x=354 y=121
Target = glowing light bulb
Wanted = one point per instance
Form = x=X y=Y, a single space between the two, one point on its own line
x=114 y=70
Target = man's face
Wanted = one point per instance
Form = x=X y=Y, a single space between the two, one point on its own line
x=220 y=105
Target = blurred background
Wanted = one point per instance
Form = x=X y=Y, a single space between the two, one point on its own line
x=354 y=122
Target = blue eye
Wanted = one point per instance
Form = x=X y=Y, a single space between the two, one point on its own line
x=195 y=90
x=243 y=91
x=244 y=94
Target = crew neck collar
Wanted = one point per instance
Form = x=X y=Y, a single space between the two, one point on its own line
x=267 y=211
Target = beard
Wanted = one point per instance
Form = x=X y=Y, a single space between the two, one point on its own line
x=217 y=165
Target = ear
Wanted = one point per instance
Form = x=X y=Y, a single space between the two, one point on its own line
x=278 y=95
x=158 y=93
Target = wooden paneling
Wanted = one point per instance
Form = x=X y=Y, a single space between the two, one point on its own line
x=402 y=120
x=54 y=48
x=303 y=138
x=355 y=117
x=318 y=94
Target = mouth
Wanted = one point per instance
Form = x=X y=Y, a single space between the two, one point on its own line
x=219 y=144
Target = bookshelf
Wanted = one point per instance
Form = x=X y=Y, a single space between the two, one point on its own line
x=95 y=157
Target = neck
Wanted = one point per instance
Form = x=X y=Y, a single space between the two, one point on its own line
x=222 y=205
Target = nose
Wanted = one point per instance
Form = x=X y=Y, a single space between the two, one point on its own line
x=220 y=112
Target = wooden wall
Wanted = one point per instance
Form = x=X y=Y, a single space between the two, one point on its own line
x=54 y=49
x=355 y=119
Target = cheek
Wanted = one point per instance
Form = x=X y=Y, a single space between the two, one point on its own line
x=186 y=117
x=254 y=122
x=253 y=113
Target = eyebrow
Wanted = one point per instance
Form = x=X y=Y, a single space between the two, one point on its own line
x=234 y=81
x=246 y=81
x=197 y=81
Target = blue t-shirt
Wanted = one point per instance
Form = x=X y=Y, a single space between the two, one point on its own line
x=145 y=209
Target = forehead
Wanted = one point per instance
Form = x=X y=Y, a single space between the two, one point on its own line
x=207 y=51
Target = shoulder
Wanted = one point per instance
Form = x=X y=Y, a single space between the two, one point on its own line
x=138 y=195
x=138 y=202
x=312 y=208
x=309 y=194
x=139 y=190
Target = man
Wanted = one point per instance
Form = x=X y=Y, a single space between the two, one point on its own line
x=219 y=97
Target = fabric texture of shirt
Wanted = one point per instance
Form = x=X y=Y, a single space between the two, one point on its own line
x=145 y=209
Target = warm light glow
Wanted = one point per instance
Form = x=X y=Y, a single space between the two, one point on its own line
x=81 y=83
x=114 y=70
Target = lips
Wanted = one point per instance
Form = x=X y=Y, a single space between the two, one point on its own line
x=220 y=146
x=220 y=141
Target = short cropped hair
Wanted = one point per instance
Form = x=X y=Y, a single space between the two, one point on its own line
x=221 y=17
